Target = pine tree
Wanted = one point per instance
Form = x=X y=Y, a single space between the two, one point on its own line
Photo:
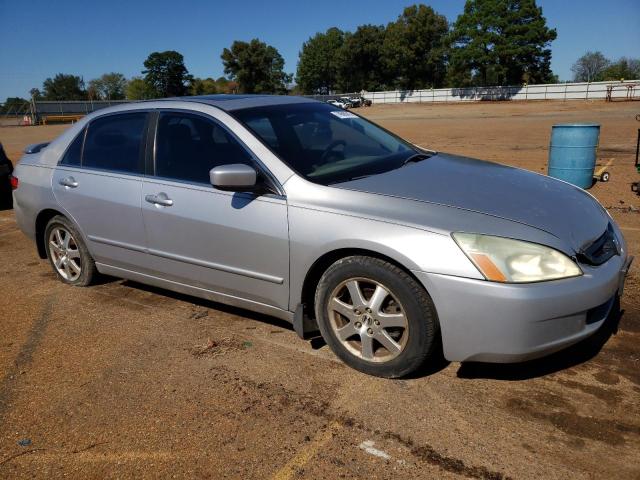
x=500 y=42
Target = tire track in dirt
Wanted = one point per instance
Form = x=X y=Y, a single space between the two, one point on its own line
x=25 y=355
x=308 y=404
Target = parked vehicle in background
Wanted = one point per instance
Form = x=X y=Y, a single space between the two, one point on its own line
x=6 y=169
x=338 y=103
x=298 y=209
x=365 y=102
x=350 y=102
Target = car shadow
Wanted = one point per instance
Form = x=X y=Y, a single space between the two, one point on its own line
x=239 y=200
x=576 y=354
x=436 y=363
x=103 y=279
x=202 y=302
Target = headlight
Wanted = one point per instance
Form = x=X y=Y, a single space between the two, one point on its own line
x=514 y=261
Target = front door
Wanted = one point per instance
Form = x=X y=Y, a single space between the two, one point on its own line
x=235 y=244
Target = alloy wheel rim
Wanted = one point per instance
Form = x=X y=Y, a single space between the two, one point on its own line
x=368 y=320
x=65 y=254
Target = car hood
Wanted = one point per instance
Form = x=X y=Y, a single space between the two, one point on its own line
x=509 y=193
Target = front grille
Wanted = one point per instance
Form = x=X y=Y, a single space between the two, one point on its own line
x=601 y=250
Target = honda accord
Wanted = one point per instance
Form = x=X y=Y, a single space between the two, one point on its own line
x=310 y=213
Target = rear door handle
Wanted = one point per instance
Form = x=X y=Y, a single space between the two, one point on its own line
x=68 y=182
x=159 y=199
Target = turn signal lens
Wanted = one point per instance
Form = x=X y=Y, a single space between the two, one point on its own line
x=14 y=182
x=487 y=267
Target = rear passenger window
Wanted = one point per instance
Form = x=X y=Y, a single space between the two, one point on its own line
x=188 y=146
x=116 y=142
x=74 y=152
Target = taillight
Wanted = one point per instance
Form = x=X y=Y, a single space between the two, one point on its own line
x=14 y=182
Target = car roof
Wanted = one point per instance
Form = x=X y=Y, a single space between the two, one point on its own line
x=237 y=102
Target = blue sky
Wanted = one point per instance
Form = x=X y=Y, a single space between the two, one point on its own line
x=39 y=38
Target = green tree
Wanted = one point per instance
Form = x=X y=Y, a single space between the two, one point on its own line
x=64 y=87
x=138 y=89
x=256 y=66
x=166 y=74
x=623 y=69
x=203 y=86
x=318 y=62
x=500 y=42
x=35 y=93
x=414 y=48
x=224 y=85
x=14 y=105
x=590 y=67
x=109 y=86
x=359 y=60
x=93 y=89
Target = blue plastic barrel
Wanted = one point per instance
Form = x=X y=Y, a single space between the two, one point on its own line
x=572 y=153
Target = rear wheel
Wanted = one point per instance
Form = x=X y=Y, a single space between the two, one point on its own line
x=67 y=253
x=375 y=316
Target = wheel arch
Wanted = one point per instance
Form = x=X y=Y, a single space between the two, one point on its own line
x=41 y=224
x=317 y=269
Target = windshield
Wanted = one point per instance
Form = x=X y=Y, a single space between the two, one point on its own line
x=326 y=144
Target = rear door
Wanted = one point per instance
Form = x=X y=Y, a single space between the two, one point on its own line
x=236 y=244
x=99 y=183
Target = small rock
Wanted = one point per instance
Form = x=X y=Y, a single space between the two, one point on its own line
x=25 y=442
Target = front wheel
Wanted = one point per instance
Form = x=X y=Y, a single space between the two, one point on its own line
x=375 y=316
x=67 y=253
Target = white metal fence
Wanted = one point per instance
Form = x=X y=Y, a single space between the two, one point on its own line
x=629 y=89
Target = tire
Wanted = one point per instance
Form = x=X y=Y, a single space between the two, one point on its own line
x=68 y=254
x=390 y=330
x=604 y=177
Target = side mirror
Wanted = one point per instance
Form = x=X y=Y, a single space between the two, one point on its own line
x=236 y=177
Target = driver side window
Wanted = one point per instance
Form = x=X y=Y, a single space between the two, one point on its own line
x=188 y=146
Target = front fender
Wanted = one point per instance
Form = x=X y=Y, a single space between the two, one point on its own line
x=315 y=233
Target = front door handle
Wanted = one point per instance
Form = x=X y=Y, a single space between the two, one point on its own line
x=159 y=199
x=68 y=182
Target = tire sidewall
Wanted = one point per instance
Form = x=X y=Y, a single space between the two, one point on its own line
x=421 y=318
x=86 y=261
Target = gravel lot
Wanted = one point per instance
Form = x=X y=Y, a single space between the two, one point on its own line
x=121 y=380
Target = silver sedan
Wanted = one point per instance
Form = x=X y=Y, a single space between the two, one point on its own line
x=310 y=213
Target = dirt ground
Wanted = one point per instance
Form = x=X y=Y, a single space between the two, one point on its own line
x=121 y=380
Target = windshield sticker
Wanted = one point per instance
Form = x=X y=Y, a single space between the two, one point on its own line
x=343 y=114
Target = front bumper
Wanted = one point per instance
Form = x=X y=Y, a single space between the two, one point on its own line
x=496 y=322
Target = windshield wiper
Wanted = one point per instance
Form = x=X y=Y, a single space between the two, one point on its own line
x=416 y=157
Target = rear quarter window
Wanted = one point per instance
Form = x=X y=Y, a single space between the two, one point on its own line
x=73 y=155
